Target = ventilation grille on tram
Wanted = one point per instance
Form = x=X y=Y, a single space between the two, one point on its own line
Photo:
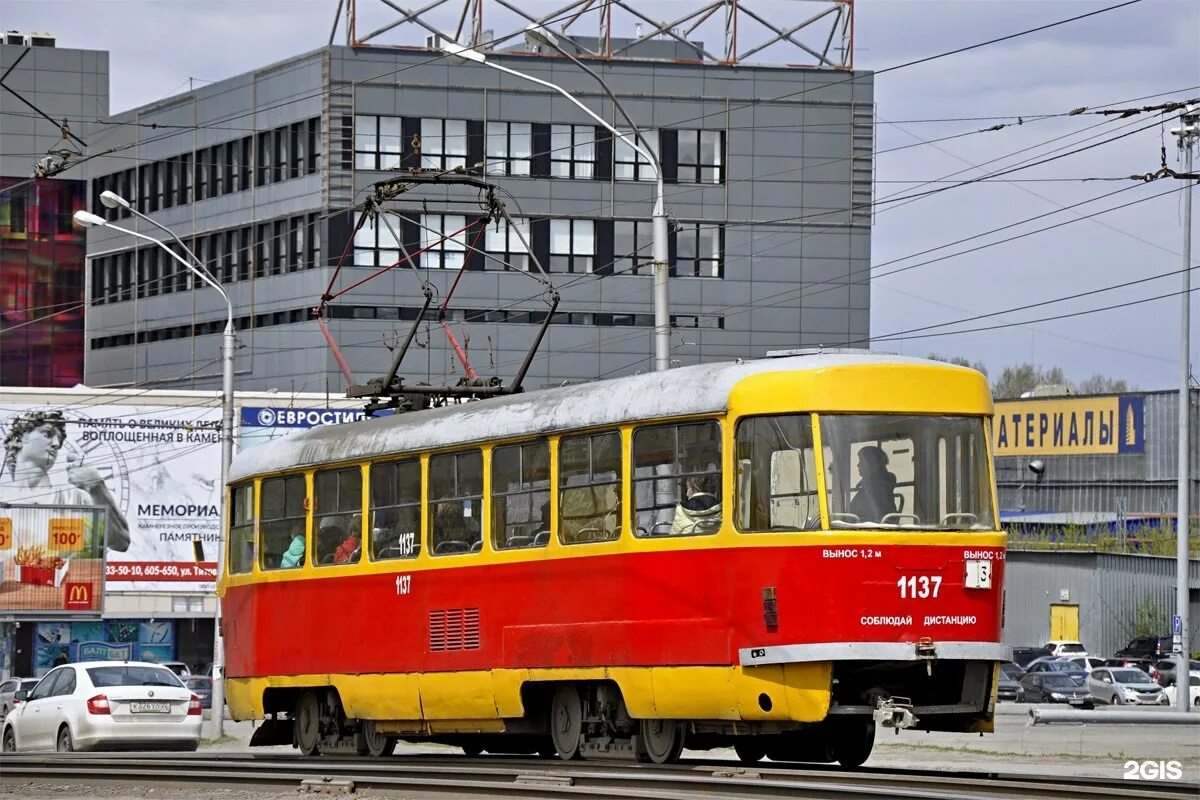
x=453 y=629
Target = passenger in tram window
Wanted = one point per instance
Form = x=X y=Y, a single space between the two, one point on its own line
x=450 y=524
x=294 y=555
x=875 y=492
x=700 y=510
x=348 y=551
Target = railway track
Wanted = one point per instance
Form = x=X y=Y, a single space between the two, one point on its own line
x=548 y=780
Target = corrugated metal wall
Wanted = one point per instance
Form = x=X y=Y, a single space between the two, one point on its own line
x=1133 y=483
x=1109 y=590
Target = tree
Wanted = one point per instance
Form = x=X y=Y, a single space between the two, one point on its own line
x=1016 y=381
x=1099 y=384
x=959 y=361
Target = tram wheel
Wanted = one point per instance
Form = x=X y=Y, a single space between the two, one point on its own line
x=370 y=742
x=749 y=751
x=566 y=722
x=662 y=740
x=853 y=741
x=472 y=750
x=308 y=724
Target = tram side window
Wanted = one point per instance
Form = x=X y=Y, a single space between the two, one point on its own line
x=521 y=495
x=589 y=494
x=396 y=509
x=456 y=502
x=241 y=530
x=777 y=475
x=337 y=516
x=677 y=479
x=282 y=545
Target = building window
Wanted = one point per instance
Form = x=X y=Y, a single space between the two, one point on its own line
x=572 y=245
x=296 y=254
x=279 y=246
x=701 y=156
x=296 y=148
x=633 y=246
x=698 y=250
x=572 y=151
x=375 y=246
x=629 y=164
x=506 y=245
x=443 y=143
x=509 y=147
x=439 y=252
x=314 y=144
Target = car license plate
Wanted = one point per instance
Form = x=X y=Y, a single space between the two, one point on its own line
x=141 y=707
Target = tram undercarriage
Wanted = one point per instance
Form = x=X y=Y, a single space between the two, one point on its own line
x=589 y=719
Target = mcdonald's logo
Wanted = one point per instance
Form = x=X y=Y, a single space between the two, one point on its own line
x=78 y=596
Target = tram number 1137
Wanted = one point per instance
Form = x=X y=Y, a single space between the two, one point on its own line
x=919 y=587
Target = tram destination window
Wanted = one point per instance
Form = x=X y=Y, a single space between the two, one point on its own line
x=241 y=530
x=283 y=544
x=456 y=503
x=677 y=479
x=907 y=471
x=776 y=475
x=396 y=510
x=589 y=494
x=521 y=495
x=337 y=516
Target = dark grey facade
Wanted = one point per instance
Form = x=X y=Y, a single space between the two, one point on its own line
x=1112 y=592
x=1143 y=483
x=769 y=198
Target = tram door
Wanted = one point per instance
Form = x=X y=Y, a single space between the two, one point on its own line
x=1064 y=622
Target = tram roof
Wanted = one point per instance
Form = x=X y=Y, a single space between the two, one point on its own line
x=698 y=389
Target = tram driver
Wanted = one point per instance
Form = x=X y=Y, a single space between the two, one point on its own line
x=875 y=493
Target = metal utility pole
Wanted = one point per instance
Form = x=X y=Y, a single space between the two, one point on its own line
x=1187 y=133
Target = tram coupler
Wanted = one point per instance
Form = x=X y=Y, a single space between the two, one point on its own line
x=895 y=713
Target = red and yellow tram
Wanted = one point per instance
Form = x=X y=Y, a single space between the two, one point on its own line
x=779 y=555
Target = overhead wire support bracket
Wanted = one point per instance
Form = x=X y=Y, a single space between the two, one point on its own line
x=390 y=390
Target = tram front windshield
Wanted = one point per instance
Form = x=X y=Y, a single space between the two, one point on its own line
x=906 y=471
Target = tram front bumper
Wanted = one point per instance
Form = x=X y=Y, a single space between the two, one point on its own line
x=873 y=651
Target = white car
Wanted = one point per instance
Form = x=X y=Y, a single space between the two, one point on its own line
x=1087 y=663
x=1120 y=685
x=97 y=705
x=1065 y=648
x=1194 y=690
x=8 y=693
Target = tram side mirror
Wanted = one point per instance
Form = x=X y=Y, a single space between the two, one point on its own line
x=1037 y=467
x=198 y=550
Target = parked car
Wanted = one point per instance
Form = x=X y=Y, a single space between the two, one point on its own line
x=1146 y=648
x=1172 y=692
x=1120 y=685
x=1010 y=687
x=1165 y=669
x=178 y=667
x=202 y=685
x=1023 y=655
x=1055 y=687
x=1061 y=666
x=96 y=705
x=8 y=691
x=1064 y=648
x=1088 y=663
x=1145 y=665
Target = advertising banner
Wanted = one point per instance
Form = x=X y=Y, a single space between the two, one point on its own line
x=116 y=640
x=154 y=470
x=261 y=424
x=51 y=560
x=1067 y=427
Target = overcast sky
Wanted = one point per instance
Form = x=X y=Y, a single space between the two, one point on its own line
x=1146 y=49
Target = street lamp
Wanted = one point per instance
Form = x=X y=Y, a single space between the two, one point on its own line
x=88 y=220
x=539 y=35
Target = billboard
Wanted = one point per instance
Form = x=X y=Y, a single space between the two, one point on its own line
x=155 y=470
x=51 y=560
x=115 y=640
x=261 y=424
x=1067 y=427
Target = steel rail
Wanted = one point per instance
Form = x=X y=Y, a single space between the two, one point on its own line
x=504 y=777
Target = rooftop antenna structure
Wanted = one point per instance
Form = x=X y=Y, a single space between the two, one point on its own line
x=390 y=391
x=817 y=34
